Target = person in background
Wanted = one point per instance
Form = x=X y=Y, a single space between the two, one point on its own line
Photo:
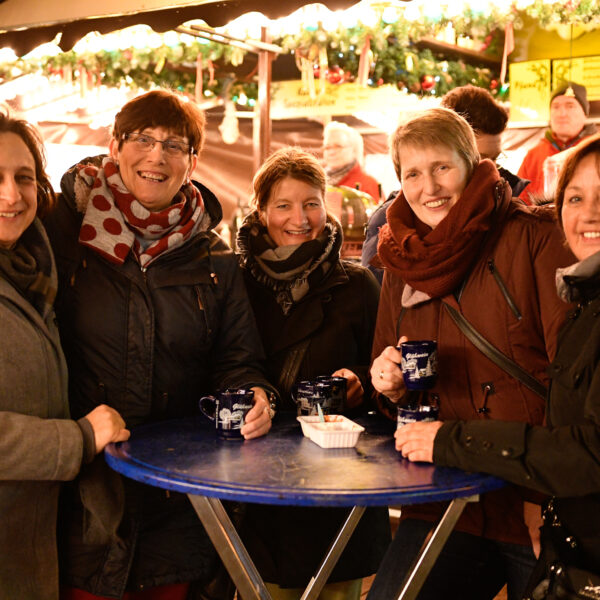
x=569 y=109
x=457 y=243
x=153 y=315
x=488 y=119
x=316 y=316
x=343 y=155
x=561 y=459
x=39 y=446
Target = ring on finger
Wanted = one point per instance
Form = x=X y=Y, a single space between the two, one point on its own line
x=381 y=374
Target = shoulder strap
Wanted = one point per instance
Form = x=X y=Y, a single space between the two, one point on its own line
x=497 y=357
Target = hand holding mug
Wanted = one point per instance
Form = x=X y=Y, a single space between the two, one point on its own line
x=415 y=440
x=386 y=375
x=258 y=419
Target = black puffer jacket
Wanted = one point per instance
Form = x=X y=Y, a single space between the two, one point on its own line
x=150 y=344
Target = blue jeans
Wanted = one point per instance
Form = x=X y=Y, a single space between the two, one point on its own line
x=469 y=567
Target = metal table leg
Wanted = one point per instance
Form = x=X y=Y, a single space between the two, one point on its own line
x=228 y=544
x=315 y=585
x=432 y=547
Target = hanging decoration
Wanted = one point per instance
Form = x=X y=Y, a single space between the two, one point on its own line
x=229 y=127
x=364 y=64
x=376 y=51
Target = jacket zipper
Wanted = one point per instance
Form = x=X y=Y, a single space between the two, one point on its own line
x=509 y=299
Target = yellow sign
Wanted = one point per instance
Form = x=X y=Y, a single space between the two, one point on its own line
x=530 y=91
x=291 y=99
x=585 y=71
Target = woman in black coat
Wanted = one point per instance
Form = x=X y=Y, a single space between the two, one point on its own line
x=563 y=458
x=316 y=316
x=153 y=315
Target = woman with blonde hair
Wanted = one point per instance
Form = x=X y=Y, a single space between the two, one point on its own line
x=464 y=262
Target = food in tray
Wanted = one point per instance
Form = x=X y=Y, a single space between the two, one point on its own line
x=336 y=432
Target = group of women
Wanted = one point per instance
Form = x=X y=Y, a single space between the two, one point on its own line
x=154 y=310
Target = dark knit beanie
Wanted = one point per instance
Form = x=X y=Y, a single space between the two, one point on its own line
x=579 y=92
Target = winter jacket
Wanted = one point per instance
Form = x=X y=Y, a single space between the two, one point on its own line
x=510 y=298
x=562 y=459
x=287 y=543
x=149 y=343
x=39 y=445
x=532 y=167
x=366 y=183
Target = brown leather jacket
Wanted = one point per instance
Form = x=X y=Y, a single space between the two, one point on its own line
x=510 y=298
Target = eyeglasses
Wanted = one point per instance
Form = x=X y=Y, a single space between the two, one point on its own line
x=145 y=143
x=333 y=147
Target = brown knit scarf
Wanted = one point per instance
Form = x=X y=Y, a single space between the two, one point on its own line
x=436 y=261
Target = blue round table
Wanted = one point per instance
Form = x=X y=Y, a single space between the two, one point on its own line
x=284 y=467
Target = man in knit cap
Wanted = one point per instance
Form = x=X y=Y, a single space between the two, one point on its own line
x=569 y=109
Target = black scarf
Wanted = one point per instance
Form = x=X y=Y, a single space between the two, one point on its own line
x=290 y=271
x=28 y=267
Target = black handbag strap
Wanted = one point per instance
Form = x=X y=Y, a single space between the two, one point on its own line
x=497 y=357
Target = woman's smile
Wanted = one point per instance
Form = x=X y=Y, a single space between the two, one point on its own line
x=433 y=179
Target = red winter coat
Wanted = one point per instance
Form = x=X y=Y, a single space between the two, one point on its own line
x=532 y=167
x=366 y=183
x=522 y=321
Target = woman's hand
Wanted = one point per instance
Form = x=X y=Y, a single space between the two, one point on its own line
x=354 y=388
x=386 y=374
x=415 y=440
x=258 y=419
x=108 y=426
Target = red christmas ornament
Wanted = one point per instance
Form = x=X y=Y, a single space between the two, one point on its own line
x=427 y=83
x=493 y=84
x=335 y=75
x=380 y=81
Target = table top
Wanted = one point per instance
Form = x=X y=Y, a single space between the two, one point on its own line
x=284 y=467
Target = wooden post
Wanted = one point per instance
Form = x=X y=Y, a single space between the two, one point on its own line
x=262 y=112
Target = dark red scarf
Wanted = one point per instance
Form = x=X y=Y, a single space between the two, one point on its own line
x=436 y=261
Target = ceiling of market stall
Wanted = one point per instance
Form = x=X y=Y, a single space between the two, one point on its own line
x=25 y=24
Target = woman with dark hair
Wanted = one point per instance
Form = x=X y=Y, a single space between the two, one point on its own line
x=39 y=446
x=463 y=262
x=561 y=459
x=316 y=315
x=153 y=315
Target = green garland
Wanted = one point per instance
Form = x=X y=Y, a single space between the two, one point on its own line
x=396 y=59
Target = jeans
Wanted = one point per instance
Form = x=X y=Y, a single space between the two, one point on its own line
x=469 y=567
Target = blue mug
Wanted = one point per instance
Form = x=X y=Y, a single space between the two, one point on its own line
x=419 y=364
x=337 y=403
x=228 y=409
x=417 y=414
x=307 y=394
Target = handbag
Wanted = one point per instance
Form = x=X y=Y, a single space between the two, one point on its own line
x=560 y=578
x=497 y=357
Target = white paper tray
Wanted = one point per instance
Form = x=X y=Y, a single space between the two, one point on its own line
x=337 y=431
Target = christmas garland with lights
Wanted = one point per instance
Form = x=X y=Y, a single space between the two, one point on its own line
x=386 y=53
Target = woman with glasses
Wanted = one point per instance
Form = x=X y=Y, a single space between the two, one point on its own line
x=153 y=315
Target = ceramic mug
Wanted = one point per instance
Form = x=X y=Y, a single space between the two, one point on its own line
x=417 y=414
x=228 y=409
x=307 y=394
x=337 y=403
x=419 y=364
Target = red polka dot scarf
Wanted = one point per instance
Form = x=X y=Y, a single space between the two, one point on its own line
x=115 y=222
